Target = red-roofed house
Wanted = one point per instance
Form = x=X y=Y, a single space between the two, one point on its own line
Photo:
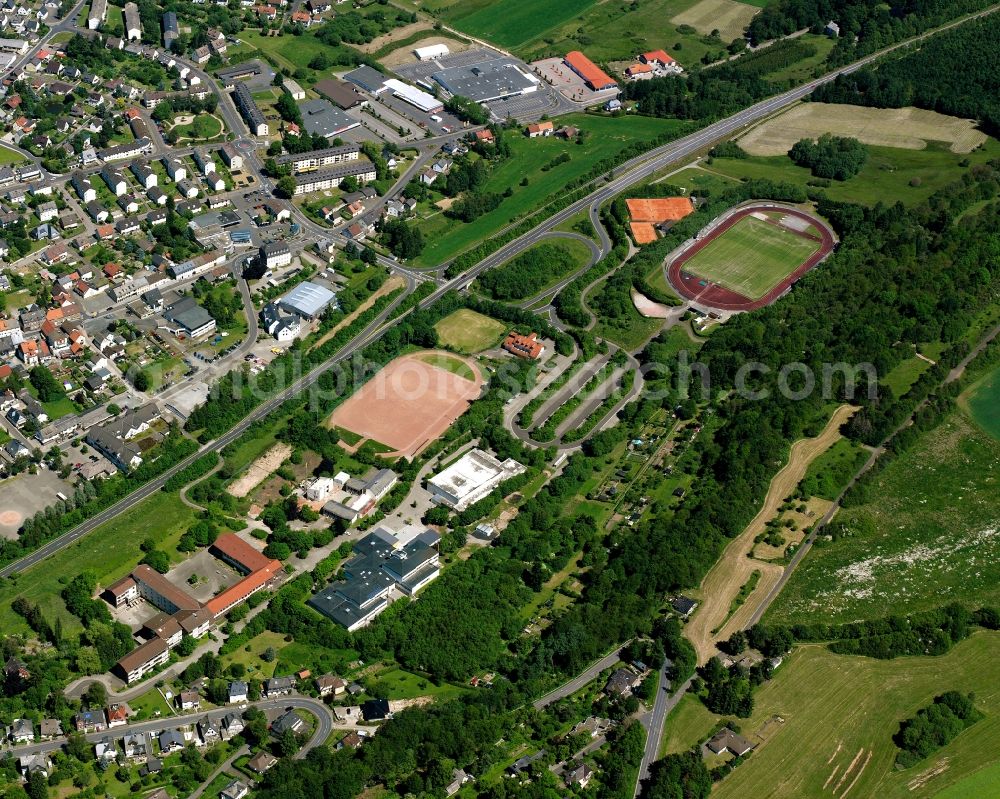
x=105 y=232
x=524 y=346
x=639 y=71
x=485 y=135
x=27 y=351
x=657 y=57
x=302 y=18
x=536 y=129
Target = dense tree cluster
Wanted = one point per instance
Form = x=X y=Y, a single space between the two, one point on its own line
x=927 y=77
x=355 y=27
x=528 y=273
x=934 y=726
x=467 y=110
x=835 y=157
x=404 y=240
x=678 y=776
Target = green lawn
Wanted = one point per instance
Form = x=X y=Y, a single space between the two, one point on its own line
x=8 y=156
x=59 y=408
x=689 y=723
x=889 y=175
x=447 y=237
x=928 y=535
x=834 y=707
x=110 y=551
x=563 y=256
x=904 y=375
x=249 y=655
x=400 y=684
x=510 y=23
x=751 y=257
x=829 y=473
x=204 y=128
x=449 y=363
x=468 y=332
x=984 y=403
x=983 y=783
x=146 y=705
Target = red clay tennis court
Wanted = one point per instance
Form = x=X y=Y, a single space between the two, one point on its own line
x=408 y=404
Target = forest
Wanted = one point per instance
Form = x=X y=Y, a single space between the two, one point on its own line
x=927 y=78
x=829 y=156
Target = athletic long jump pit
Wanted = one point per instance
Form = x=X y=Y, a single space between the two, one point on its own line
x=410 y=402
x=749 y=256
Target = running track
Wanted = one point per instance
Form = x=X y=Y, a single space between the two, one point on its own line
x=714 y=295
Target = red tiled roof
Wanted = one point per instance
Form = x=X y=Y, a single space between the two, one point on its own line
x=588 y=70
x=234 y=548
x=241 y=590
x=658 y=55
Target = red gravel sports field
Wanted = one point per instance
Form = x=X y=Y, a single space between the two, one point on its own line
x=409 y=403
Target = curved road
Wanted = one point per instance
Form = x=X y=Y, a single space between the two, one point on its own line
x=635 y=170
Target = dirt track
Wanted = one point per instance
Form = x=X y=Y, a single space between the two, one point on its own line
x=733 y=569
x=258 y=471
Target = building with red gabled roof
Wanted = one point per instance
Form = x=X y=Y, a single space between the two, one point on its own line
x=639 y=71
x=524 y=346
x=657 y=57
x=595 y=77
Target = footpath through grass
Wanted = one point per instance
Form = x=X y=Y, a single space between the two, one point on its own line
x=835 y=706
x=929 y=534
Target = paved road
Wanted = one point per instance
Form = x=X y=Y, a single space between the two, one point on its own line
x=584 y=677
x=654 y=721
x=370 y=333
x=324 y=718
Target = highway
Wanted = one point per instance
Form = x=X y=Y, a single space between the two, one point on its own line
x=325 y=724
x=633 y=171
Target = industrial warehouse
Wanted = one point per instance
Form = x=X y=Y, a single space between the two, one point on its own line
x=487 y=81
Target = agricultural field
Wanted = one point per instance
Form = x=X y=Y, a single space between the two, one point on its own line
x=890 y=174
x=468 y=332
x=929 y=535
x=604 y=137
x=609 y=32
x=839 y=714
x=109 y=552
x=509 y=23
x=983 y=403
x=751 y=257
x=903 y=128
x=728 y=17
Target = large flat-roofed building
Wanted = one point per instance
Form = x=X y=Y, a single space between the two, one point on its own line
x=595 y=77
x=320 y=180
x=431 y=52
x=248 y=109
x=341 y=94
x=421 y=100
x=382 y=562
x=307 y=300
x=487 y=80
x=368 y=78
x=319 y=117
x=317 y=159
x=470 y=478
x=189 y=317
x=248 y=69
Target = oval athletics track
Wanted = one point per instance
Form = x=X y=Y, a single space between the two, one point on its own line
x=714 y=296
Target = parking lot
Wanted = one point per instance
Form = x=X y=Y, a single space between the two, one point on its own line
x=210 y=574
x=23 y=495
x=556 y=74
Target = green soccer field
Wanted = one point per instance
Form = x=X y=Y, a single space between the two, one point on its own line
x=751 y=258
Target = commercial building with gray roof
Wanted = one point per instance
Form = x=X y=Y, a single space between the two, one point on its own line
x=487 y=80
x=307 y=300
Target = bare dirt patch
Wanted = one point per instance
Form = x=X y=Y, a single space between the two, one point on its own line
x=733 y=569
x=905 y=128
x=728 y=17
x=404 y=55
x=646 y=307
x=394 y=35
x=258 y=471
